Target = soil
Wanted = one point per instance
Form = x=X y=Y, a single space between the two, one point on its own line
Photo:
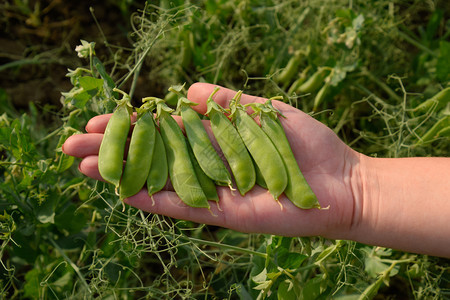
x=38 y=39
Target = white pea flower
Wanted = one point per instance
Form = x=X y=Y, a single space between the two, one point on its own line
x=85 y=49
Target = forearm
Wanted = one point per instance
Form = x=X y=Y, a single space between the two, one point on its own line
x=404 y=204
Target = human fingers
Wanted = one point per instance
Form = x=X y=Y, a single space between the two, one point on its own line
x=82 y=145
x=199 y=92
x=256 y=212
x=98 y=123
x=89 y=167
x=314 y=137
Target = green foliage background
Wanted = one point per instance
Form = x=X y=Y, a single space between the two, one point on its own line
x=67 y=236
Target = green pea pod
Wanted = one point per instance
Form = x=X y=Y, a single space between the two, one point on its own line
x=259 y=177
x=232 y=146
x=187 y=46
x=181 y=170
x=432 y=133
x=321 y=95
x=261 y=148
x=171 y=99
x=444 y=132
x=291 y=68
x=439 y=100
x=297 y=189
x=159 y=173
x=201 y=145
x=140 y=153
x=296 y=84
x=112 y=148
x=314 y=82
x=299 y=81
x=208 y=186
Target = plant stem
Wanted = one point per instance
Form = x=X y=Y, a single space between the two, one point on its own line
x=382 y=85
x=225 y=246
x=71 y=263
x=415 y=43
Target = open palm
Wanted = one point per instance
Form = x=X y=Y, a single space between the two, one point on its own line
x=326 y=162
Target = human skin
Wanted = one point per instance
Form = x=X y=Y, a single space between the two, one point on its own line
x=401 y=203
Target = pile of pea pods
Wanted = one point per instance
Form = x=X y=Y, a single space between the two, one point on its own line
x=158 y=150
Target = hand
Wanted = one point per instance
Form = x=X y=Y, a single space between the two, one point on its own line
x=329 y=166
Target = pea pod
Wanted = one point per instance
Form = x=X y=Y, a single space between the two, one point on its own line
x=158 y=174
x=291 y=68
x=232 y=146
x=434 y=131
x=314 y=82
x=259 y=178
x=181 y=170
x=201 y=145
x=299 y=81
x=261 y=148
x=140 y=153
x=439 y=100
x=297 y=189
x=187 y=46
x=208 y=186
x=112 y=148
x=444 y=132
x=321 y=95
x=171 y=98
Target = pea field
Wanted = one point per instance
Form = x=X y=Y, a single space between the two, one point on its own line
x=378 y=67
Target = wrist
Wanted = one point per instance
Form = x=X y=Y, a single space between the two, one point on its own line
x=362 y=180
x=350 y=204
x=366 y=183
x=402 y=203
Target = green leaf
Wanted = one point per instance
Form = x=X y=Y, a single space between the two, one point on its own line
x=371 y=290
x=65 y=162
x=358 y=22
x=27 y=179
x=86 y=88
x=288 y=290
x=25 y=248
x=89 y=83
x=5 y=134
x=243 y=293
x=289 y=260
x=443 y=64
x=340 y=73
x=112 y=271
x=71 y=220
x=311 y=290
x=264 y=285
x=261 y=277
x=63 y=281
x=330 y=250
x=45 y=213
x=108 y=84
x=32 y=284
x=433 y=24
x=373 y=266
x=77 y=97
x=345 y=14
